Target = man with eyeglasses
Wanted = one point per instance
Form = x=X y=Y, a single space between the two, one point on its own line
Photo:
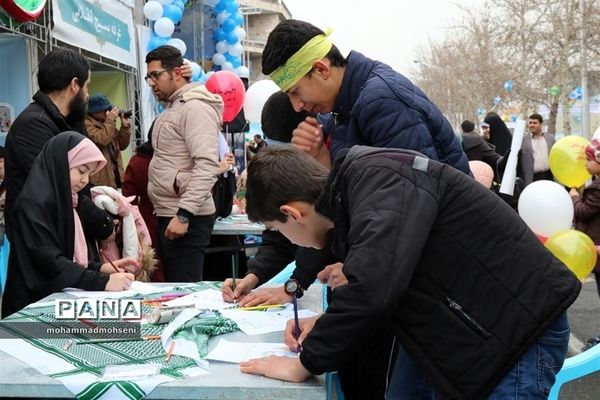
x=185 y=165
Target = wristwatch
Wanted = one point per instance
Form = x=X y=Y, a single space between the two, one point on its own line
x=183 y=219
x=292 y=287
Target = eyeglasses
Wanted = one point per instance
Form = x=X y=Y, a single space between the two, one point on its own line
x=154 y=75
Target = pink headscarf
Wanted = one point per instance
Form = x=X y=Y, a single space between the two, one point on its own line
x=592 y=150
x=85 y=152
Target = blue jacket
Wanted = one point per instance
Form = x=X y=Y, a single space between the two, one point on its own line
x=377 y=106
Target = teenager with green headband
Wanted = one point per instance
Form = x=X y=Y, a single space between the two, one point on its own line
x=373 y=104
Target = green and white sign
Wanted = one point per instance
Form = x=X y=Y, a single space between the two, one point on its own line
x=105 y=28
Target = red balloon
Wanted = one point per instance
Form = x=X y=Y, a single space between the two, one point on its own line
x=231 y=89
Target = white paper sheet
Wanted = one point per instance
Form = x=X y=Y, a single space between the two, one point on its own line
x=235 y=352
x=259 y=322
x=209 y=299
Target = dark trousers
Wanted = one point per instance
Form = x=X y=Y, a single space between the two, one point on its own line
x=543 y=176
x=183 y=258
x=367 y=373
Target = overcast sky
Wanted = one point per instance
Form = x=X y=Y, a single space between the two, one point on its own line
x=386 y=30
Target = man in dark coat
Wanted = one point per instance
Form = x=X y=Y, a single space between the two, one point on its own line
x=471 y=293
x=373 y=104
x=60 y=105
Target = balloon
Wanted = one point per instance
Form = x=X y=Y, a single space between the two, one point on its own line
x=178 y=44
x=257 y=95
x=173 y=12
x=228 y=25
x=165 y=2
x=179 y=4
x=237 y=18
x=209 y=74
x=482 y=172
x=236 y=49
x=231 y=37
x=567 y=161
x=231 y=89
x=575 y=249
x=196 y=70
x=221 y=6
x=164 y=27
x=222 y=47
x=243 y=72
x=156 y=42
x=240 y=33
x=153 y=10
x=227 y=66
x=218 y=59
x=222 y=16
x=546 y=207
x=219 y=35
x=232 y=7
x=542 y=238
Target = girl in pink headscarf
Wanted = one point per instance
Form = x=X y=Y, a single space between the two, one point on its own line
x=50 y=219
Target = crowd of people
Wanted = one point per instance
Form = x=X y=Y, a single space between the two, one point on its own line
x=359 y=179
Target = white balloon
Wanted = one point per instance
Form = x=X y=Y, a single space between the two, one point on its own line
x=222 y=16
x=546 y=207
x=218 y=59
x=257 y=95
x=236 y=49
x=165 y=2
x=227 y=66
x=243 y=72
x=178 y=44
x=164 y=27
x=222 y=47
x=196 y=69
x=153 y=10
x=208 y=75
x=240 y=33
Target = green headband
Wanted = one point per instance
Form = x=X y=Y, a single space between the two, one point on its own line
x=301 y=62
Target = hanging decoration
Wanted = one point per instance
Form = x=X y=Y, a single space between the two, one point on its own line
x=165 y=14
x=228 y=38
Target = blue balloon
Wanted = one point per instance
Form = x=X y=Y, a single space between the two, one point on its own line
x=232 y=7
x=234 y=60
x=237 y=18
x=180 y=4
x=172 y=12
x=228 y=25
x=221 y=6
x=156 y=41
x=220 y=35
x=231 y=37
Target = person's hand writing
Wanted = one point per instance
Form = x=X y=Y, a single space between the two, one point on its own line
x=332 y=275
x=242 y=288
x=119 y=281
x=277 y=367
x=176 y=229
x=305 y=325
x=276 y=295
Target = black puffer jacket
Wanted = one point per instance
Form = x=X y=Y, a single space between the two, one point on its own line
x=465 y=283
x=38 y=123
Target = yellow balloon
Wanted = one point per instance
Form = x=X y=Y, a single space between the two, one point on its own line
x=567 y=161
x=575 y=249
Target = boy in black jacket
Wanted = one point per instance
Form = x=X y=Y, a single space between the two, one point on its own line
x=467 y=286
